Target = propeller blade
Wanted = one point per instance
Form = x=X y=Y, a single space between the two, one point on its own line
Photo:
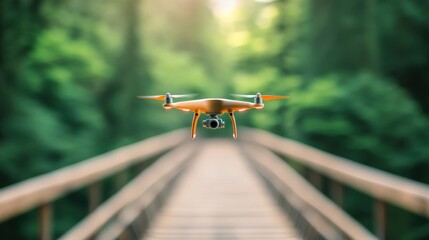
x=155 y=97
x=272 y=97
x=264 y=97
x=243 y=95
x=162 y=97
x=183 y=95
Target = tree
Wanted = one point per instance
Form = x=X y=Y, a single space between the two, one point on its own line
x=383 y=37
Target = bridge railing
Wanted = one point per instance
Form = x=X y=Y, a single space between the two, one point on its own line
x=313 y=214
x=128 y=212
x=383 y=187
x=40 y=192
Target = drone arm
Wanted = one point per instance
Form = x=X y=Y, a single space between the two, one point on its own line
x=194 y=124
x=234 y=125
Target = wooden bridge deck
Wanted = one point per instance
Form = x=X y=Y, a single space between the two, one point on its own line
x=221 y=197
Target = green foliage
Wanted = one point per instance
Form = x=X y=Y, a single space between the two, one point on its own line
x=60 y=58
x=362 y=117
x=175 y=72
x=168 y=70
x=270 y=35
x=389 y=38
x=53 y=111
x=70 y=72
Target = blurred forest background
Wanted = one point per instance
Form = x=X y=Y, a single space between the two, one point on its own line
x=357 y=71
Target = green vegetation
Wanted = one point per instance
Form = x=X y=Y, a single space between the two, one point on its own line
x=357 y=71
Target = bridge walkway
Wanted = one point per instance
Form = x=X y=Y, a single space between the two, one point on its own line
x=221 y=197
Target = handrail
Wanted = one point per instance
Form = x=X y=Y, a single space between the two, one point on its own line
x=321 y=213
x=33 y=192
x=408 y=194
x=160 y=173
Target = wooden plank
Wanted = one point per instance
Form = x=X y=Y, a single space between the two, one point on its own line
x=408 y=194
x=220 y=197
x=23 y=196
x=167 y=164
x=308 y=196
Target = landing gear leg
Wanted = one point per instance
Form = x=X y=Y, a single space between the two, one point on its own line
x=194 y=124
x=234 y=125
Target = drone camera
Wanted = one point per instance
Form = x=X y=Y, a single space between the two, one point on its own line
x=213 y=123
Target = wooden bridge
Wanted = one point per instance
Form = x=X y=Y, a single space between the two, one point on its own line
x=216 y=189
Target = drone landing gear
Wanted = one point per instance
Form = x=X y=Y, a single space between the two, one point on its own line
x=194 y=124
x=234 y=125
x=213 y=123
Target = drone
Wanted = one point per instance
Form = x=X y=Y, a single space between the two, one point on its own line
x=213 y=107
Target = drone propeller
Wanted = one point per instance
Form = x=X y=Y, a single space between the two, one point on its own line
x=162 y=97
x=264 y=97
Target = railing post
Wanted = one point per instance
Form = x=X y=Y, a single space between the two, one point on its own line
x=337 y=192
x=380 y=218
x=94 y=196
x=45 y=221
x=315 y=178
x=121 y=179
